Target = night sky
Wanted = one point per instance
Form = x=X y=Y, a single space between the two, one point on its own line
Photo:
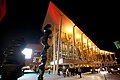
x=99 y=20
x=23 y=19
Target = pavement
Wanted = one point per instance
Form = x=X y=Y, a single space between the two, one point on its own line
x=85 y=76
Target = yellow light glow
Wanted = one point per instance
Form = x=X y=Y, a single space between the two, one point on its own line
x=63 y=35
x=77 y=30
x=69 y=30
x=89 y=44
x=84 y=40
x=112 y=53
x=106 y=52
x=77 y=36
x=101 y=51
x=67 y=26
x=93 y=47
x=87 y=65
x=96 y=49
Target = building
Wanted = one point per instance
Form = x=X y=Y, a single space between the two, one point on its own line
x=70 y=46
x=32 y=55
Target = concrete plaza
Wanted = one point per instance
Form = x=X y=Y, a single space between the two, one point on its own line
x=85 y=76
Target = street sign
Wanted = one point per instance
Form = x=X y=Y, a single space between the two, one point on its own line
x=117 y=44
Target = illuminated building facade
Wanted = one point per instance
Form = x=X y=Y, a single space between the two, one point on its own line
x=70 y=46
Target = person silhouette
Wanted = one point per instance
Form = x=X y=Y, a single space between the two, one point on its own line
x=49 y=71
x=79 y=72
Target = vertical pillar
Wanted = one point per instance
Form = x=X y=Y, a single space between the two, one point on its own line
x=87 y=51
x=96 y=59
x=67 y=45
x=105 y=59
x=73 y=37
x=54 y=49
x=92 y=53
x=111 y=59
x=115 y=59
x=97 y=54
x=82 y=45
x=100 y=58
x=59 y=46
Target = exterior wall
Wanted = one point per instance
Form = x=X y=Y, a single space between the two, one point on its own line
x=35 y=58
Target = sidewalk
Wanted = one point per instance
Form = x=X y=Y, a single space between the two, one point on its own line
x=85 y=76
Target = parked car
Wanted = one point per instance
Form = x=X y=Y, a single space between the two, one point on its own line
x=113 y=70
x=95 y=70
x=25 y=68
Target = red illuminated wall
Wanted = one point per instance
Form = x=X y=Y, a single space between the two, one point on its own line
x=53 y=13
x=2 y=9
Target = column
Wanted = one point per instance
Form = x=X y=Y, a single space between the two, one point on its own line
x=68 y=52
x=73 y=37
x=54 y=49
x=59 y=45
x=87 y=51
x=82 y=45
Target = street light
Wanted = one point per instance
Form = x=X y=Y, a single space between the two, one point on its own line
x=27 y=52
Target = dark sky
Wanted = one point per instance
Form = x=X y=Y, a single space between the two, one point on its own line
x=24 y=18
x=98 y=19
